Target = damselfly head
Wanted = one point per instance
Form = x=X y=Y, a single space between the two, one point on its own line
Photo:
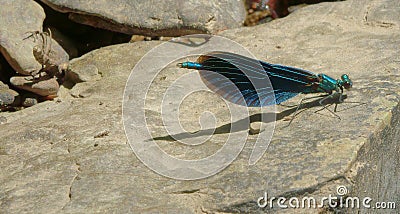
x=346 y=81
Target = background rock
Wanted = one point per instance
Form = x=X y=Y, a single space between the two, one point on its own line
x=78 y=39
x=58 y=159
x=27 y=49
x=24 y=17
x=7 y=95
x=44 y=87
x=155 y=18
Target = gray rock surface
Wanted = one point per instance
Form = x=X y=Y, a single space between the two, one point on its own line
x=71 y=155
x=155 y=18
x=7 y=95
x=378 y=168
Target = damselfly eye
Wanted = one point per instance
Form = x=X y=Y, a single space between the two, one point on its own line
x=347 y=83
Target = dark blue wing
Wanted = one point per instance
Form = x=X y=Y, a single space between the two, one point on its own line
x=222 y=72
x=237 y=80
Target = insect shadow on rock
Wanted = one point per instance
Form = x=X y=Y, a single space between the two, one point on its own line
x=195 y=40
x=258 y=117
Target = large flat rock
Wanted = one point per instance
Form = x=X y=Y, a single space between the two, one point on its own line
x=71 y=155
x=155 y=18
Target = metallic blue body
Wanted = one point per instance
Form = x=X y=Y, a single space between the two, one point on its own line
x=191 y=65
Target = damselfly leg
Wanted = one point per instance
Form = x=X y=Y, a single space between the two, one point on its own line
x=300 y=105
x=337 y=100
